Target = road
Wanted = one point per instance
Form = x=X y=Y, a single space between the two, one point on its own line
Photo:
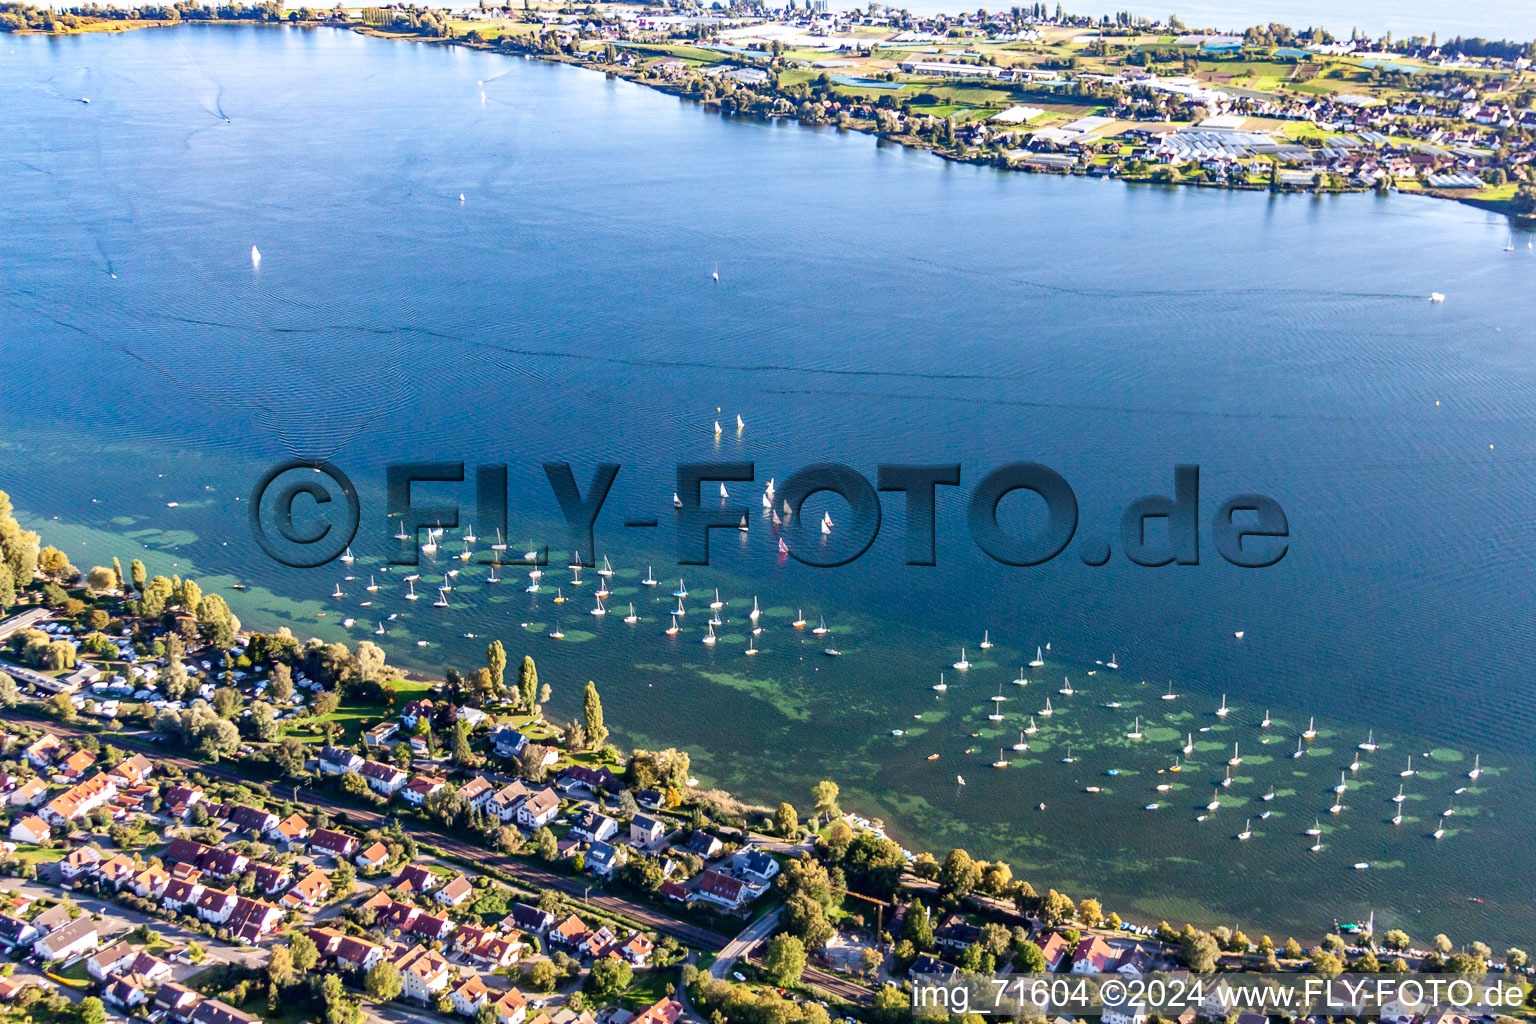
x=530 y=874
x=750 y=936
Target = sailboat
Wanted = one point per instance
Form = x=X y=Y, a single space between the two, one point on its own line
x=709 y=637
x=400 y=534
x=1021 y=745
x=1342 y=786
x=493 y=578
x=821 y=629
x=430 y=547
x=1300 y=752
x=716 y=604
x=1135 y=733
x=941 y=685
x=557 y=633
x=380 y=631
x=559 y=596
x=411 y=594
x=1002 y=759
x=599 y=610
x=724 y=494
x=631 y=618
x=373 y=585
x=799 y=622
x=1509 y=246
x=1235 y=759
x=751 y=648
x=676 y=501
x=997 y=705
x=442 y=598
x=756 y=612
x=1439 y=832
x=679 y=610
x=1407 y=772
x=1369 y=746
x=1031 y=728
x=347 y=556
x=740 y=423
x=826 y=527
x=469 y=536
x=1311 y=730
x=718 y=431
x=255 y=252
x=1170 y=695
x=1066 y=687
x=1223 y=711
x=1247 y=832
x=1189 y=744
x=742 y=526
x=338 y=593
x=1266 y=723
x=501 y=544
x=1397 y=819
x=681 y=591
x=650 y=580
x=1477 y=768
x=672 y=629
x=986 y=640
x=783 y=548
x=1316 y=829
x=1112 y=663
x=1021 y=681
x=1215 y=803
x=607 y=569
x=962 y=665
x=1047 y=711
x=1038 y=659
x=1401 y=796
x=959 y=780
x=1069 y=759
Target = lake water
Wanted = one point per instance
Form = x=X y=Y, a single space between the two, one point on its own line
x=874 y=304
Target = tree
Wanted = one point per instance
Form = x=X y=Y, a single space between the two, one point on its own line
x=281 y=686
x=216 y=624
x=227 y=701
x=784 y=960
x=959 y=874
x=1055 y=907
x=62 y=707
x=280 y=966
x=1028 y=958
x=1200 y=951
x=462 y=755
x=1329 y=965
x=528 y=683
x=383 y=982
x=91 y=1011
x=544 y=841
x=892 y=1005
x=290 y=756
x=785 y=821
x=137 y=574
x=263 y=721
x=303 y=951
x=496 y=662
x=7 y=588
x=918 y=927
x=101 y=579
x=592 y=716
x=609 y=977
x=825 y=794
x=1516 y=958
x=1396 y=939
x=807 y=919
x=1442 y=944
x=10 y=694
x=1090 y=913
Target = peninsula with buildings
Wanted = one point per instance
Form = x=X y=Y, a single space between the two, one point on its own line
x=1029 y=88
x=204 y=824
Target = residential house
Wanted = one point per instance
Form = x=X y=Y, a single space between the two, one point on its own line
x=603 y=859
x=477 y=792
x=383 y=779
x=292 y=830
x=133 y=771
x=212 y=1011
x=1136 y=960
x=754 y=865
x=80 y=863
x=174 y=1002
x=505 y=801
x=339 y=761
x=1092 y=956
x=723 y=890
x=593 y=827
x=330 y=843
x=511 y=1008
x=110 y=960
x=645 y=830
x=28 y=794
x=381 y=734
x=955 y=933
x=421 y=787
x=580 y=778
x=151 y=882
x=16 y=932
x=179 y=801
x=79 y=936
x=125 y=990
x=508 y=742
x=526 y=917
x=1054 y=948
x=539 y=809
x=702 y=844
x=416 y=878
x=470 y=996
x=637 y=949
x=79 y=800
x=272 y=878
x=47 y=749
x=569 y=933
x=117 y=871
x=31 y=829
x=373 y=858
x=455 y=892
x=347 y=950
x=309 y=892
x=664 y=1011
x=252 y=819
x=424 y=974
x=415 y=711
x=75 y=765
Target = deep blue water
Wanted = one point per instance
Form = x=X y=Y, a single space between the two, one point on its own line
x=874 y=305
